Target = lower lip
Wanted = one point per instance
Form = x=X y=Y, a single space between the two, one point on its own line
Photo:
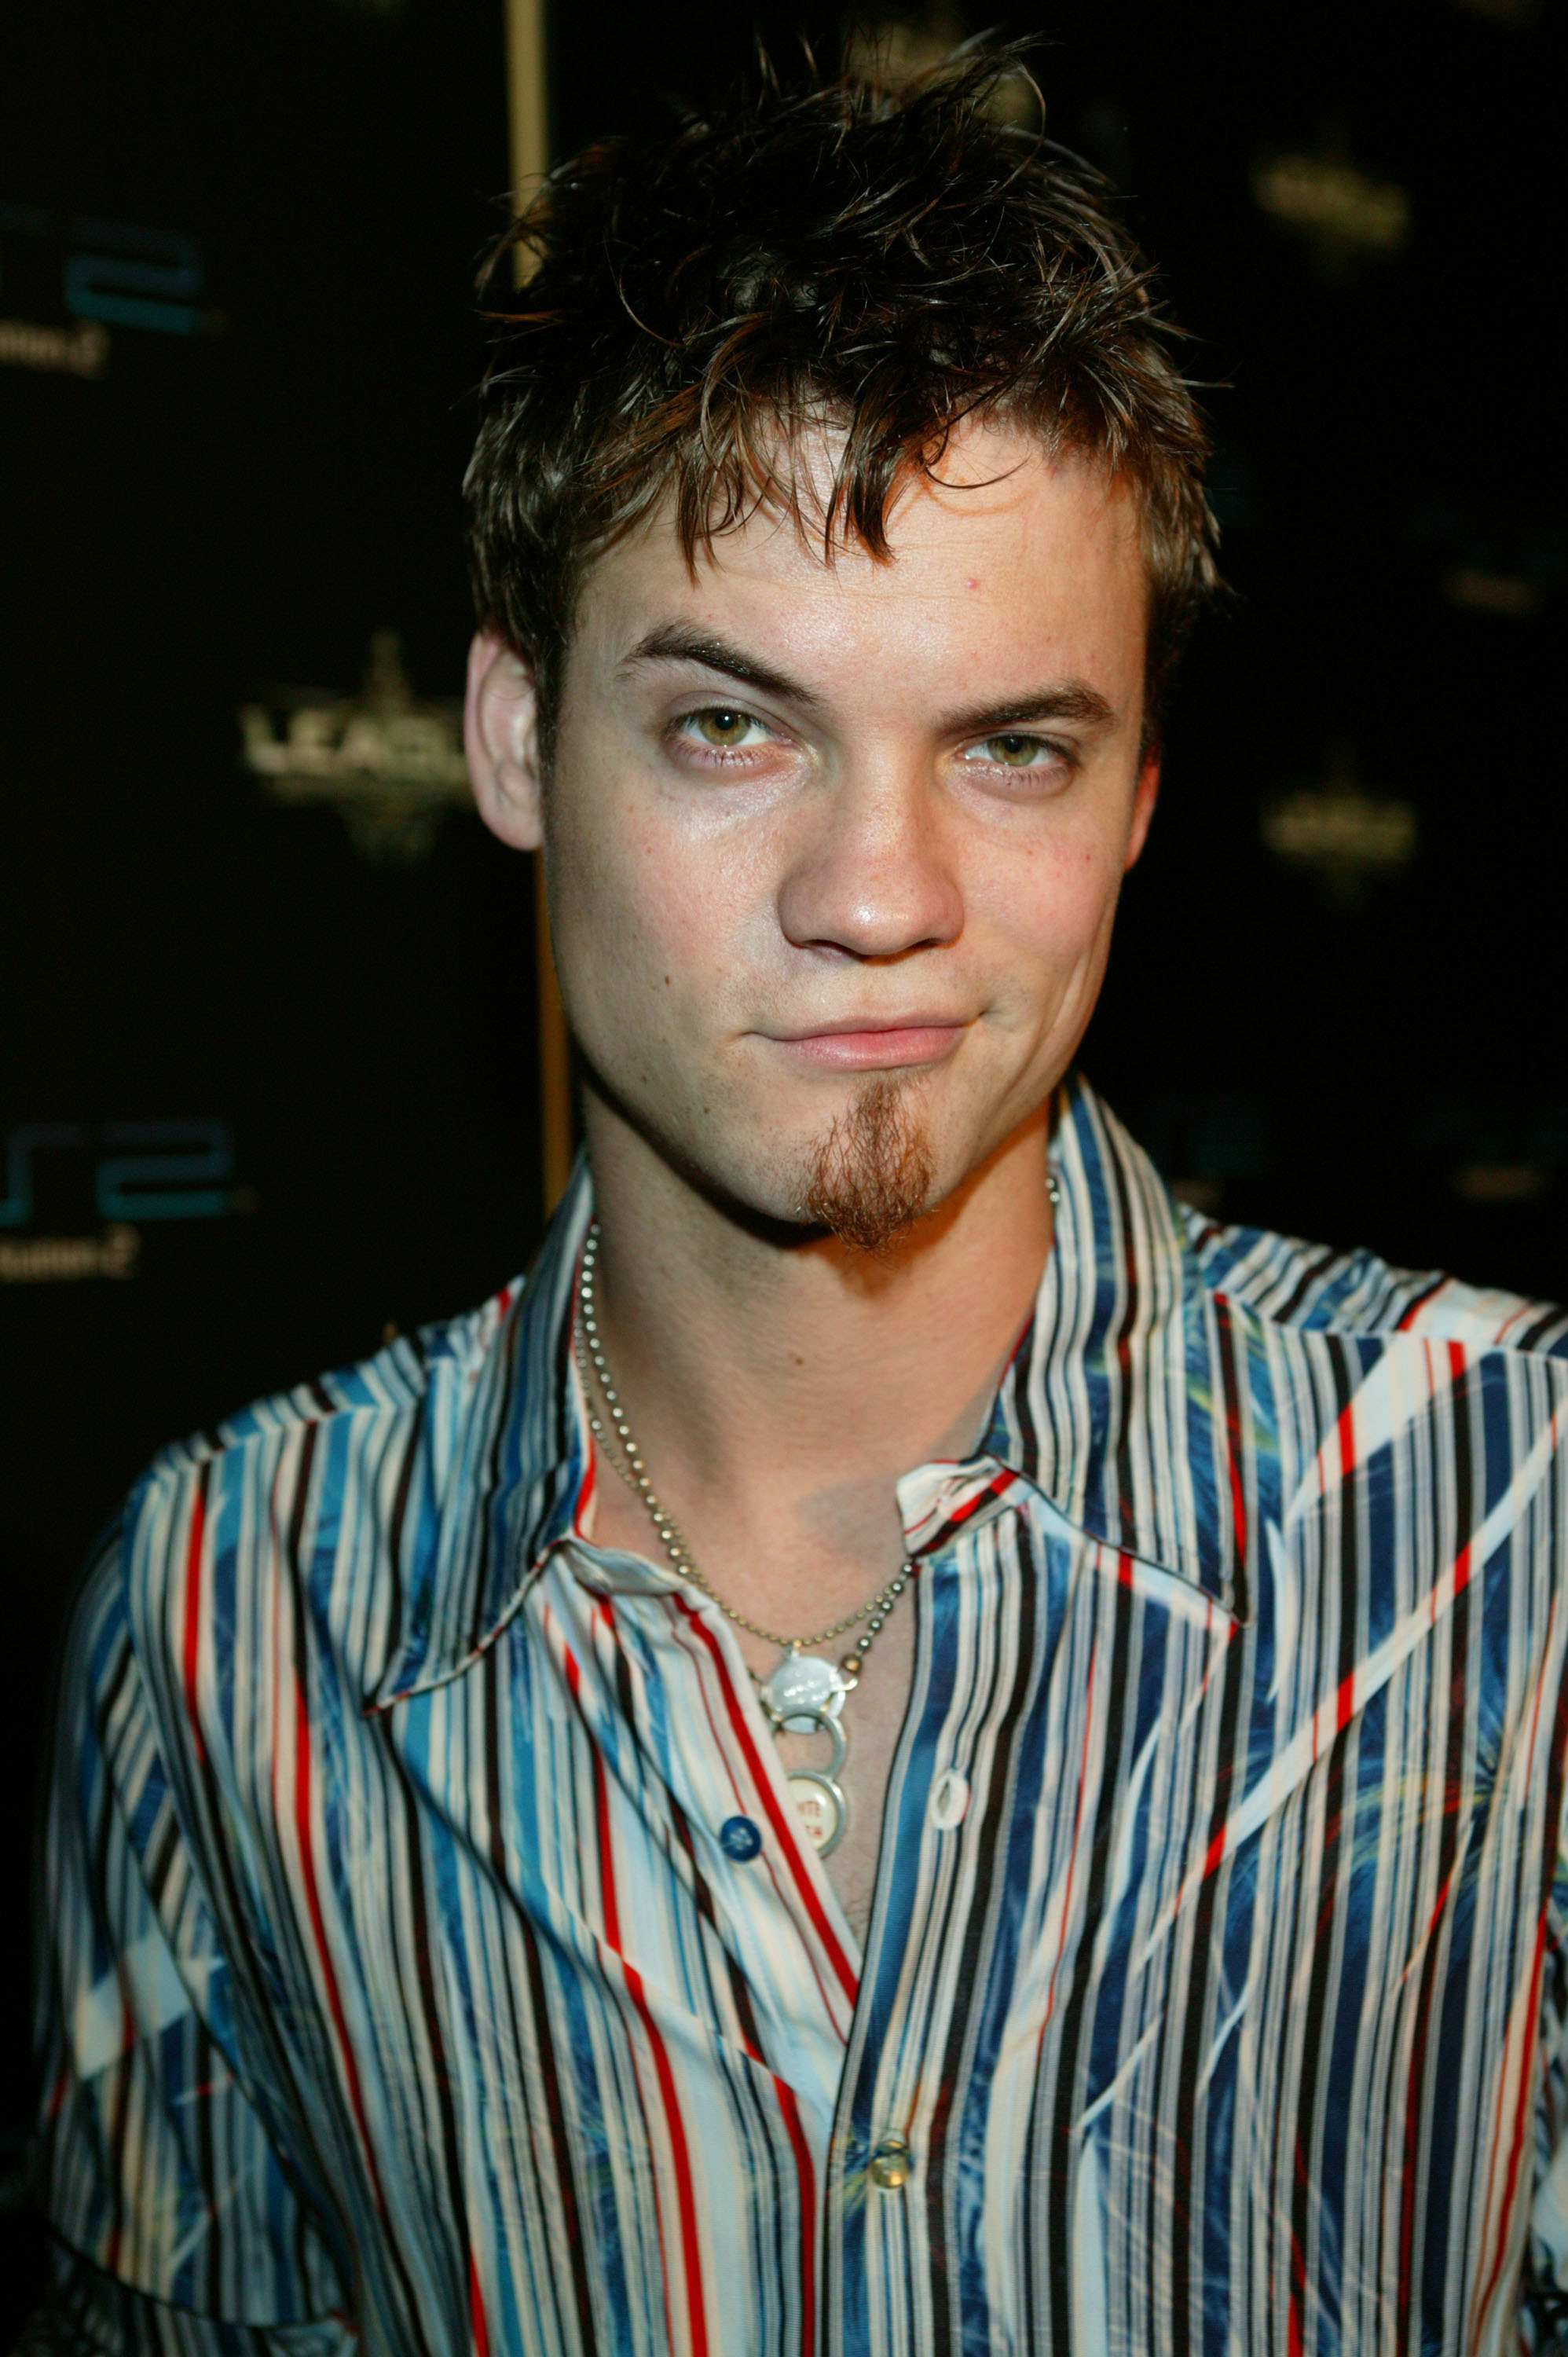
x=866 y=1051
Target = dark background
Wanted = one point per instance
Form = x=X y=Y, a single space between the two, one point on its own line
x=338 y=1053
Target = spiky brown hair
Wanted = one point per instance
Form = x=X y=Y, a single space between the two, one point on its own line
x=887 y=262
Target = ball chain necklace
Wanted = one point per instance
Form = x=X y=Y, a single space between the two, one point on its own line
x=803 y=1696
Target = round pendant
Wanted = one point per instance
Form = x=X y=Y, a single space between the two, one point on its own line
x=821 y=1805
x=838 y=1742
x=802 y=1690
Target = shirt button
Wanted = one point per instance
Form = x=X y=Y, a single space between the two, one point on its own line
x=891 y=2164
x=739 y=1838
x=949 y=1799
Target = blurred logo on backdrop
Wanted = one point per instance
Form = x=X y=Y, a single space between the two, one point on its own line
x=1515 y=13
x=1345 y=215
x=1503 y=1150
x=389 y=761
x=1507 y=560
x=60 y=1174
x=1345 y=836
x=1494 y=1150
x=66 y=282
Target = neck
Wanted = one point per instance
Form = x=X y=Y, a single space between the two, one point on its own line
x=777 y=1388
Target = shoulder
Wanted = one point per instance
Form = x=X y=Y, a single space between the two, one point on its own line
x=419 y=1386
x=1141 y=1236
x=325 y=1501
x=1287 y=1283
x=404 y=1379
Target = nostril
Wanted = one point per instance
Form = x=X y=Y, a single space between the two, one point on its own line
x=908 y=914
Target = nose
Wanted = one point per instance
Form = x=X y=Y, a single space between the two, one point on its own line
x=873 y=878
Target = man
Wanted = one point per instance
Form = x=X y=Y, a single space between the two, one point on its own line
x=911 y=1749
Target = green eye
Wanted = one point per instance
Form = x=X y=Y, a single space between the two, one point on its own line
x=1011 y=750
x=722 y=725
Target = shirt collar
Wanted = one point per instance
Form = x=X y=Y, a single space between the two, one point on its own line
x=1120 y=1404
x=1107 y=1408
x=502 y=1459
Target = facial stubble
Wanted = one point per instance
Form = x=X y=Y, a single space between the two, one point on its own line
x=871 y=1173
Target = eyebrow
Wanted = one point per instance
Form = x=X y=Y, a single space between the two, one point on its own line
x=1067 y=699
x=676 y=643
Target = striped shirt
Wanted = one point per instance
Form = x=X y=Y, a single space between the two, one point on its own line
x=404 y=1991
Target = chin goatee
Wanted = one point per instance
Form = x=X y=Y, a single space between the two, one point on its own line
x=870 y=1174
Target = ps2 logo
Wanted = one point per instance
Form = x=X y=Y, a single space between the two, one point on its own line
x=150 y=1170
x=149 y=278
x=119 y=273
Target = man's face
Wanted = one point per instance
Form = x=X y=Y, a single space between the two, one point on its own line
x=833 y=849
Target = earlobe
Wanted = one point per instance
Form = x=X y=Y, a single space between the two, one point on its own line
x=500 y=737
x=1146 y=794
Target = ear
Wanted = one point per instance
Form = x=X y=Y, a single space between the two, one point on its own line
x=500 y=737
x=1146 y=794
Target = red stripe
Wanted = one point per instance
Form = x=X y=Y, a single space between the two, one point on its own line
x=607 y=1899
x=1531 y=2016
x=1238 y=1503
x=788 y=1836
x=1520 y=2112
x=1345 y=1703
x=1419 y=1303
x=1233 y=1426
x=193 y=1609
x=479 y=2323
x=1462 y=1569
x=998 y=1484
x=609 y=1904
x=275 y=1764
x=313 y=1899
x=808 y=2176
x=1345 y=1434
x=685 y=2196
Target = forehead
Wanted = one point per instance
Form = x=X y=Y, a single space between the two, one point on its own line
x=1010 y=554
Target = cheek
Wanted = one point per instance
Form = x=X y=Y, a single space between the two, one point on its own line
x=602 y=884
x=642 y=929
x=596 y=919
x=1054 y=904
